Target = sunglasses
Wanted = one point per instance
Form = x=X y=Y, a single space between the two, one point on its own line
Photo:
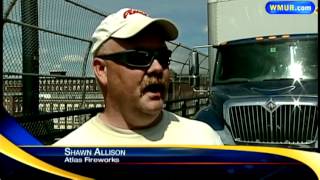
x=139 y=58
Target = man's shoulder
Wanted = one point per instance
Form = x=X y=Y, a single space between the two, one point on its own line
x=202 y=133
x=183 y=122
x=78 y=134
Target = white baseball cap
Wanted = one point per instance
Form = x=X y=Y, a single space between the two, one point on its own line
x=128 y=22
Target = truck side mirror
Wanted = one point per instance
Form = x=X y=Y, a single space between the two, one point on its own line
x=194 y=70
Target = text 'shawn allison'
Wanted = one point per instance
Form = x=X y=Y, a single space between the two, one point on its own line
x=93 y=155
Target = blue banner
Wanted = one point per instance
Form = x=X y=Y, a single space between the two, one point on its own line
x=99 y=162
x=290 y=7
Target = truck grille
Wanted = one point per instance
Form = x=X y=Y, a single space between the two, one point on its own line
x=273 y=122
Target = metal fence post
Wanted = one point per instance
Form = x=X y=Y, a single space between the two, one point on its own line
x=184 y=109
x=30 y=56
x=197 y=104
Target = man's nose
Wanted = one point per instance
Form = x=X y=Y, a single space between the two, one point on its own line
x=155 y=66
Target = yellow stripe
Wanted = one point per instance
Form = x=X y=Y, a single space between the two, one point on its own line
x=18 y=154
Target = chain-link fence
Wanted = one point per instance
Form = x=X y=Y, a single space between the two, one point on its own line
x=47 y=64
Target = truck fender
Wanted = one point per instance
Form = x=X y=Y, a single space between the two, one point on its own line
x=216 y=122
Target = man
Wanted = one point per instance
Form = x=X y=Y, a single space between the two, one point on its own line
x=131 y=65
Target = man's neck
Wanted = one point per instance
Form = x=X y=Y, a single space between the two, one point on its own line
x=130 y=120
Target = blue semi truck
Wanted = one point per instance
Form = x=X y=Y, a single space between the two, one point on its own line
x=263 y=69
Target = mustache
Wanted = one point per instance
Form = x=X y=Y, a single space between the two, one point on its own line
x=154 y=84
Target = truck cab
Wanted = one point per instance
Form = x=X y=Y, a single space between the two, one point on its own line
x=264 y=81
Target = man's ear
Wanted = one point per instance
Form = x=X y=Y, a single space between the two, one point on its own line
x=100 y=70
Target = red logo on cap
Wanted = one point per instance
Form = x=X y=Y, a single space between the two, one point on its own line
x=133 y=11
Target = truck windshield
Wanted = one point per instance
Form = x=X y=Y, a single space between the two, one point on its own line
x=291 y=58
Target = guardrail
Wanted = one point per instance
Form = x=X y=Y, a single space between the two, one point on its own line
x=187 y=107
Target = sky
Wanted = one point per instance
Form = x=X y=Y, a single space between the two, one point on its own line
x=190 y=16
